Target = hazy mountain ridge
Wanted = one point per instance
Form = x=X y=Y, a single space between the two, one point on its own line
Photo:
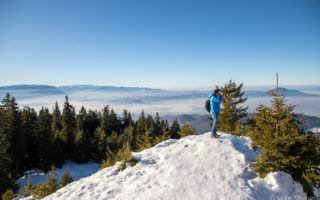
x=281 y=90
x=202 y=122
x=292 y=92
x=167 y=95
x=135 y=99
x=73 y=88
x=30 y=91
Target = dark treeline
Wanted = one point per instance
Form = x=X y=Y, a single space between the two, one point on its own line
x=31 y=140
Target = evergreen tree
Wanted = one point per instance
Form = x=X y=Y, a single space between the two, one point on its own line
x=27 y=190
x=239 y=129
x=165 y=131
x=164 y=127
x=139 y=129
x=284 y=146
x=126 y=136
x=68 y=126
x=158 y=139
x=66 y=178
x=110 y=122
x=56 y=119
x=52 y=181
x=12 y=129
x=126 y=119
x=186 y=130
x=124 y=153
x=232 y=111
x=157 y=125
x=101 y=143
x=7 y=179
x=59 y=140
x=9 y=195
x=81 y=118
x=143 y=142
x=105 y=120
x=44 y=136
x=141 y=124
x=115 y=122
x=109 y=160
x=47 y=188
x=81 y=151
x=113 y=142
x=174 y=130
x=29 y=126
x=59 y=145
x=134 y=141
x=91 y=123
x=150 y=125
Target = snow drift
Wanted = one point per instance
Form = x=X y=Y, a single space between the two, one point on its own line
x=195 y=167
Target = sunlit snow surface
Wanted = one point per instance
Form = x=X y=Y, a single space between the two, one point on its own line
x=195 y=167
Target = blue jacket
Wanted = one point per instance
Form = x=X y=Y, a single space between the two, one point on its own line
x=215 y=102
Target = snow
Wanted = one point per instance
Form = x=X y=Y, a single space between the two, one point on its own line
x=77 y=171
x=314 y=129
x=281 y=185
x=194 y=167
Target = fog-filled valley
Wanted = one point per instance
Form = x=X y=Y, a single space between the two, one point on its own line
x=165 y=102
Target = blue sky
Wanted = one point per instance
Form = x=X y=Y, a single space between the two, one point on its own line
x=159 y=43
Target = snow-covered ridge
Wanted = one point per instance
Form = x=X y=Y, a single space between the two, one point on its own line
x=194 y=167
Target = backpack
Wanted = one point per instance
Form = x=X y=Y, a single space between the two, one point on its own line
x=207 y=105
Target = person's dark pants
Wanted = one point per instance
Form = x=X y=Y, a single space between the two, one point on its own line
x=215 y=117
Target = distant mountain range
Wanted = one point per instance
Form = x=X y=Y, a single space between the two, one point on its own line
x=29 y=91
x=281 y=90
x=75 y=88
x=202 y=122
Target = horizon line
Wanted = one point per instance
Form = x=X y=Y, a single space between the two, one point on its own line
x=159 y=88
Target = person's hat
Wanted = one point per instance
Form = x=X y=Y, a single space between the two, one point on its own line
x=216 y=91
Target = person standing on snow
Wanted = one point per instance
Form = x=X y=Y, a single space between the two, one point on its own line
x=215 y=103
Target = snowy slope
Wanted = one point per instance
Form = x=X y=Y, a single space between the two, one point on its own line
x=195 y=167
